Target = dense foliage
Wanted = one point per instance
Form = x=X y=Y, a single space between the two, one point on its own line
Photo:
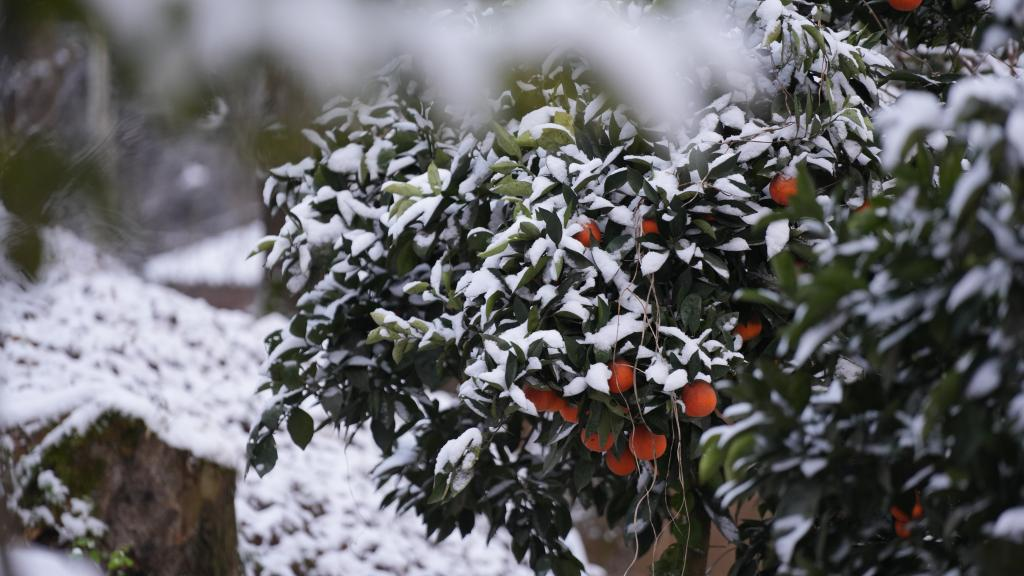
x=480 y=291
x=889 y=439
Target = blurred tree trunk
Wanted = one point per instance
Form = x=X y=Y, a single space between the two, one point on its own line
x=100 y=114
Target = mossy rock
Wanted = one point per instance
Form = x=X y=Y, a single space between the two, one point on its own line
x=174 y=513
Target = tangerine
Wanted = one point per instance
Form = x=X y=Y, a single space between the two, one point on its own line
x=904 y=5
x=898 y=515
x=647 y=445
x=593 y=441
x=750 y=329
x=570 y=413
x=700 y=399
x=649 y=226
x=782 y=189
x=622 y=377
x=591 y=234
x=917 y=512
x=543 y=400
x=622 y=465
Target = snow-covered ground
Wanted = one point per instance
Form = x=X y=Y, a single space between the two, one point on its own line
x=90 y=337
x=220 y=260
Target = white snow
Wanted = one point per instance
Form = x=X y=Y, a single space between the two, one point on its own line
x=221 y=260
x=90 y=337
x=776 y=237
x=479 y=283
x=675 y=380
x=812 y=466
x=575 y=386
x=968 y=184
x=914 y=111
x=1015 y=132
x=652 y=262
x=455 y=449
x=34 y=561
x=733 y=117
x=1010 y=525
x=598 y=376
x=536 y=118
x=346 y=159
x=985 y=379
x=736 y=244
x=756 y=142
x=814 y=336
x=619 y=327
x=769 y=11
x=524 y=403
x=606 y=264
x=788 y=532
x=987 y=280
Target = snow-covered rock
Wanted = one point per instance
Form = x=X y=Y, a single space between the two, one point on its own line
x=32 y=561
x=90 y=338
x=216 y=261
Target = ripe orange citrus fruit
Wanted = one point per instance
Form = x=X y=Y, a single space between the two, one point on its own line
x=649 y=226
x=898 y=515
x=782 y=189
x=590 y=234
x=901 y=519
x=901 y=529
x=621 y=465
x=749 y=329
x=544 y=400
x=570 y=413
x=904 y=5
x=622 y=377
x=917 y=512
x=593 y=441
x=647 y=445
x=700 y=399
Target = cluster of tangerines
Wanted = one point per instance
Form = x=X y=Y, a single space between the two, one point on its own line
x=781 y=189
x=699 y=399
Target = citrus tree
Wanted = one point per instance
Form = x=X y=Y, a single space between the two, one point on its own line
x=538 y=310
x=885 y=437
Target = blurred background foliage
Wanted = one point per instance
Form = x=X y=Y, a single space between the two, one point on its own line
x=86 y=142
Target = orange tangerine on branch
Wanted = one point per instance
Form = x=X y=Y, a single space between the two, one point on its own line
x=590 y=235
x=647 y=445
x=570 y=413
x=782 y=188
x=901 y=529
x=700 y=399
x=543 y=400
x=904 y=5
x=593 y=441
x=621 y=378
x=898 y=515
x=749 y=329
x=621 y=465
x=649 y=226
